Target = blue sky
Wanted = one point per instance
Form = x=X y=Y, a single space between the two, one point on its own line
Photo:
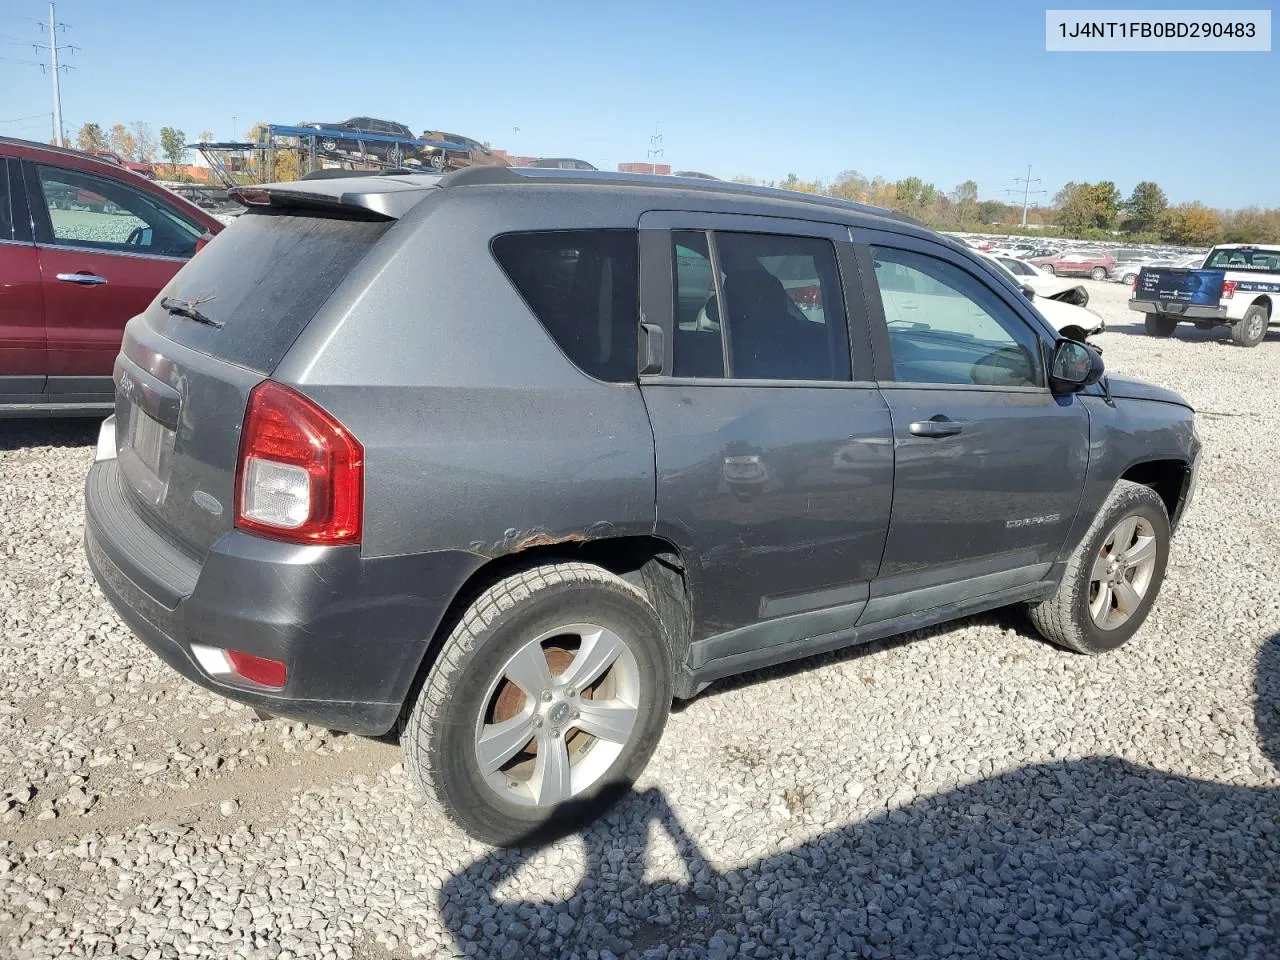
x=945 y=91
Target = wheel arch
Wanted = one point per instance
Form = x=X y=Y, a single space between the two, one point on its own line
x=1170 y=478
x=1265 y=303
x=650 y=563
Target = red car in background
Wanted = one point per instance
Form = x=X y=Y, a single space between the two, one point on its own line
x=84 y=246
x=1097 y=264
x=143 y=169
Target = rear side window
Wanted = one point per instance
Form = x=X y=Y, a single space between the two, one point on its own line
x=776 y=298
x=6 y=215
x=263 y=279
x=583 y=287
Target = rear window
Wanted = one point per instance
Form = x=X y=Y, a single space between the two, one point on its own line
x=1244 y=258
x=263 y=279
x=582 y=286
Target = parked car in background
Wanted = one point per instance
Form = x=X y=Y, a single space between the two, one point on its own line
x=1062 y=303
x=1236 y=287
x=84 y=245
x=379 y=149
x=142 y=169
x=561 y=163
x=321 y=499
x=457 y=152
x=1097 y=264
x=1128 y=264
x=694 y=174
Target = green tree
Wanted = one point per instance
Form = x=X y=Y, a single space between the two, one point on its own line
x=964 y=199
x=991 y=211
x=123 y=142
x=91 y=137
x=145 y=141
x=1085 y=207
x=1192 y=224
x=914 y=197
x=1145 y=209
x=173 y=144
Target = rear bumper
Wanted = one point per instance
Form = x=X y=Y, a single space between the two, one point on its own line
x=351 y=630
x=1187 y=311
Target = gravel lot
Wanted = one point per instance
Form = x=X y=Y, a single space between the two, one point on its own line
x=968 y=791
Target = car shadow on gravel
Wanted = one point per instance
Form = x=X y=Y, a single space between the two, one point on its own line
x=1097 y=857
x=1186 y=331
x=68 y=432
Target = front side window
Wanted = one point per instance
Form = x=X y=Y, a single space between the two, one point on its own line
x=760 y=307
x=91 y=211
x=583 y=287
x=947 y=327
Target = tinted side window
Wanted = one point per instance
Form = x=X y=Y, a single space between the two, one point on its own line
x=948 y=327
x=698 y=350
x=6 y=213
x=583 y=287
x=776 y=298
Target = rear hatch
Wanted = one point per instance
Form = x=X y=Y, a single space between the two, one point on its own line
x=220 y=327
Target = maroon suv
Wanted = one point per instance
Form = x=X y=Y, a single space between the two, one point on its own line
x=86 y=245
x=1081 y=263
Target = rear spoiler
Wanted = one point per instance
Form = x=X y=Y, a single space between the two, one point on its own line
x=371 y=197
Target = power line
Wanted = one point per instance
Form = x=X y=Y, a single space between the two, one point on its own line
x=34 y=116
x=1026 y=191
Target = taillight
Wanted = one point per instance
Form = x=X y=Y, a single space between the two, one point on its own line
x=261 y=670
x=300 y=474
x=203 y=241
x=1228 y=289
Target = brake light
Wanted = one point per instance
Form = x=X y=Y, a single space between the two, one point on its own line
x=300 y=473
x=1228 y=289
x=203 y=240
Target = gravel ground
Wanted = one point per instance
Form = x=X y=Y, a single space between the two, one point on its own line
x=967 y=791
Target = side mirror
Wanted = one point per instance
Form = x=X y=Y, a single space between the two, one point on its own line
x=1075 y=366
x=1028 y=291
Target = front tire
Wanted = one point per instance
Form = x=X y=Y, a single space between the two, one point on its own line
x=1048 y=268
x=1251 y=329
x=1160 y=326
x=545 y=702
x=1112 y=577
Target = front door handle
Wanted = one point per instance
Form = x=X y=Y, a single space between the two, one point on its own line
x=938 y=426
x=85 y=279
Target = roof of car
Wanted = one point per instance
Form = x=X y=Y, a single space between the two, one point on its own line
x=50 y=148
x=393 y=196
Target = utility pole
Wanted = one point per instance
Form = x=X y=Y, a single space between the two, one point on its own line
x=655 y=150
x=57 y=94
x=54 y=25
x=1026 y=191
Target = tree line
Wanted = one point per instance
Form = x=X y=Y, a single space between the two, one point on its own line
x=136 y=142
x=1084 y=211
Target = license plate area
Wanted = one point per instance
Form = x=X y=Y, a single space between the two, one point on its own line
x=147 y=414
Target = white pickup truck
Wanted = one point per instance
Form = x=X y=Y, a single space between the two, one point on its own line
x=1238 y=285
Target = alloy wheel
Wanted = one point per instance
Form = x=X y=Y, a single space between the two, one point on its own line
x=1122 y=572
x=557 y=715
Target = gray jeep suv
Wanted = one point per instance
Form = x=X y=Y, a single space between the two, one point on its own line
x=507 y=459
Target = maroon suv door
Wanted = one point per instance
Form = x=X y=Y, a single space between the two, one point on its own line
x=106 y=247
x=21 y=301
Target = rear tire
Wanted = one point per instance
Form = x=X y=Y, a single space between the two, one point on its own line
x=1251 y=329
x=1159 y=325
x=1098 y=273
x=1067 y=618
x=468 y=696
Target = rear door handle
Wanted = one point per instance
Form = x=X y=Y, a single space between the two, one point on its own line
x=85 y=279
x=938 y=426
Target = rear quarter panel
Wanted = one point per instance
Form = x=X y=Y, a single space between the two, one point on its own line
x=479 y=434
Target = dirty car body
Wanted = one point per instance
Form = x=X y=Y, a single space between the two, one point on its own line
x=775 y=513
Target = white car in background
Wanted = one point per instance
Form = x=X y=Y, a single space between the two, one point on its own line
x=1059 y=301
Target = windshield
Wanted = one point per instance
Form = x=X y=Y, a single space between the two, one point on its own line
x=1244 y=258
